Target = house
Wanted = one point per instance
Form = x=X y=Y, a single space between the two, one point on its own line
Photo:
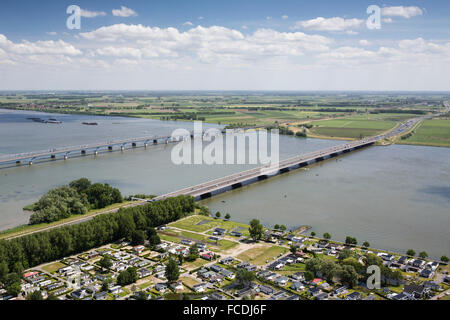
x=201 y=246
x=115 y=289
x=297 y=286
x=403 y=260
x=400 y=296
x=216 y=296
x=30 y=275
x=206 y=256
x=186 y=242
x=414 y=291
x=353 y=296
x=200 y=287
x=235 y=234
x=427 y=273
x=263 y=273
x=446 y=279
x=324 y=286
x=314 y=291
x=227 y=274
x=215 y=268
x=251 y=268
x=322 y=296
x=340 y=290
x=293 y=297
x=243 y=292
x=176 y=286
x=300 y=276
x=212 y=238
x=243 y=265
x=370 y=297
x=277 y=265
x=228 y=260
x=431 y=285
x=418 y=263
x=265 y=290
x=281 y=281
x=161 y=287
x=101 y=296
x=143 y=272
x=79 y=294
x=270 y=276
x=219 y=231
x=432 y=265
x=162 y=227
x=317 y=281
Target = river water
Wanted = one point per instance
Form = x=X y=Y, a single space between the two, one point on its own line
x=395 y=197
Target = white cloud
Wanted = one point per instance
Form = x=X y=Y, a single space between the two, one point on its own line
x=330 y=24
x=124 y=12
x=400 y=11
x=284 y=17
x=92 y=14
x=39 y=47
x=52 y=33
x=244 y=27
x=187 y=23
x=364 y=42
x=201 y=18
x=388 y=20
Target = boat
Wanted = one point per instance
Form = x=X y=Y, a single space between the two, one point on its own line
x=90 y=123
x=52 y=120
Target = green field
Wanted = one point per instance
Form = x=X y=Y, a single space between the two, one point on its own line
x=431 y=133
x=351 y=128
x=204 y=223
x=260 y=255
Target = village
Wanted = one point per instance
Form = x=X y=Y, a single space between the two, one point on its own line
x=217 y=260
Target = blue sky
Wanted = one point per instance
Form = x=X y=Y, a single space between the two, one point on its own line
x=210 y=44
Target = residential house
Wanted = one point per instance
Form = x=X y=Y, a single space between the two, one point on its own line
x=297 y=285
x=414 y=291
x=281 y=280
x=354 y=296
x=161 y=287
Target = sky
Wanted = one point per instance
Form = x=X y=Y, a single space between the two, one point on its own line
x=225 y=45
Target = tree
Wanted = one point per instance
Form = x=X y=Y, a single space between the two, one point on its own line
x=180 y=259
x=138 y=237
x=283 y=227
x=351 y=240
x=348 y=275
x=127 y=277
x=244 y=277
x=51 y=297
x=172 y=271
x=35 y=295
x=227 y=216
x=218 y=214
x=411 y=253
x=276 y=227
x=105 y=284
x=81 y=185
x=366 y=244
x=423 y=254
x=105 y=262
x=313 y=234
x=309 y=275
x=193 y=253
x=293 y=249
x=153 y=237
x=4 y=270
x=445 y=259
x=351 y=261
x=255 y=230
x=327 y=236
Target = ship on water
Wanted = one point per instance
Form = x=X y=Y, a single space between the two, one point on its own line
x=90 y=123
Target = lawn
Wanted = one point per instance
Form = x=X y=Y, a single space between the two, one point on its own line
x=187 y=281
x=432 y=133
x=53 y=267
x=259 y=255
x=350 y=128
x=202 y=223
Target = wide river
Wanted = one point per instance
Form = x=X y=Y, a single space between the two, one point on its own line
x=395 y=197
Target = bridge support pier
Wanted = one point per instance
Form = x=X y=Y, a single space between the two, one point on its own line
x=53 y=157
x=18 y=162
x=284 y=170
x=122 y=148
x=206 y=195
x=319 y=159
x=133 y=144
x=236 y=185
x=262 y=177
x=83 y=152
x=155 y=141
x=110 y=148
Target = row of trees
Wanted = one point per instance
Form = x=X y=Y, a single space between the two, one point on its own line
x=31 y=250
x=77 y=198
